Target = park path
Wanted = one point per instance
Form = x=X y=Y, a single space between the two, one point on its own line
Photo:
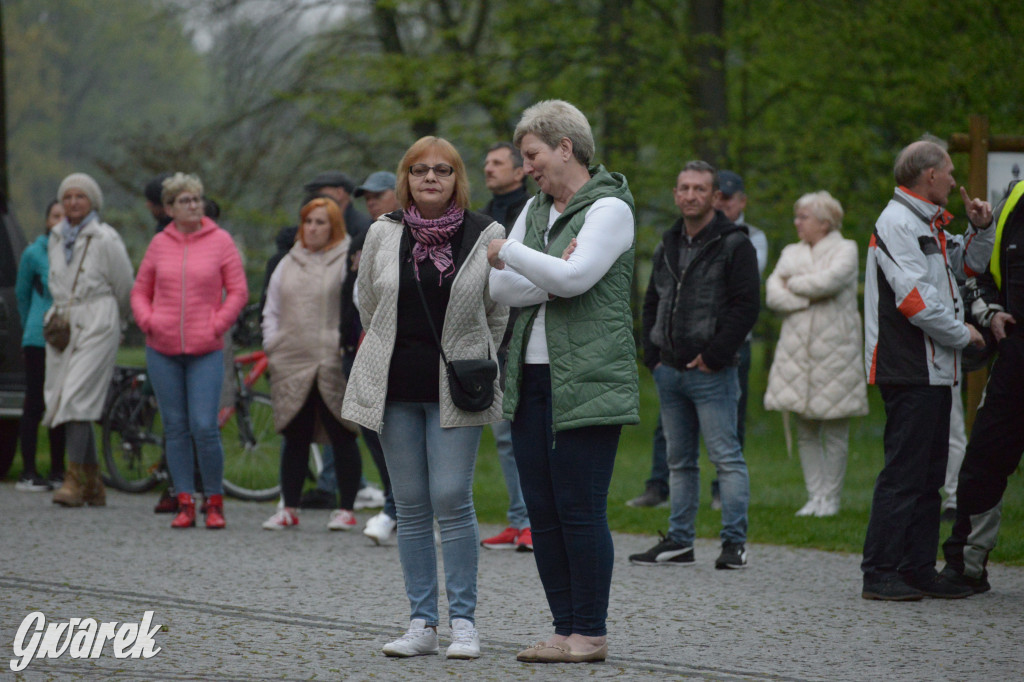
x=247 y=604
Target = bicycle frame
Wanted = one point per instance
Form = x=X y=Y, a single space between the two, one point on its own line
x=258 y=361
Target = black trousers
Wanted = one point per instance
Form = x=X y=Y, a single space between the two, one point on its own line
x=993 y=452
x=348 y=463
x=903 y=532
x=32 y=414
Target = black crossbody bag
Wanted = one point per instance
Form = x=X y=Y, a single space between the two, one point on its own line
x=471 y=382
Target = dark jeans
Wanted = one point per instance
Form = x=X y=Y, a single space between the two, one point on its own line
x=565 y=478
x=32 y=414
x=903 y=531
x=348 y=465
x=993 y=453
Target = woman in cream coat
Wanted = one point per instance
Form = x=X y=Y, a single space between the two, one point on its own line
x=817 y=373
x=78 y=377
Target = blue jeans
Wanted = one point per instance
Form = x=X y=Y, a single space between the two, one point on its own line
x=187 y=390
x=565 y=478
x=517 y=516
x=431 y=470
x=694 y=404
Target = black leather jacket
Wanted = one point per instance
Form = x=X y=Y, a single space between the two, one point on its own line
x=707 y=310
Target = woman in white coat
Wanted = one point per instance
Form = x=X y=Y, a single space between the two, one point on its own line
x=818 y=373
x=77 y=378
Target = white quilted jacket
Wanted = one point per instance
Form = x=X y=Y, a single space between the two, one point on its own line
x=473 y=326
x=817 y=372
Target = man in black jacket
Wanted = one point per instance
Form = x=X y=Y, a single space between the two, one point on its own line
x=702 y=300
x=997 y=438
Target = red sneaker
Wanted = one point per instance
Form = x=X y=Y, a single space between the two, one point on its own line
x=524 y=543
x=506 y=539
x=167 y=504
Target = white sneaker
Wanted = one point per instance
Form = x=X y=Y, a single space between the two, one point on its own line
x=465 y=640
x=809 y=509
x=369 y=498
x=417 y=641
x=379 y=528
x=342 y=519
x=281 y=519
x=828 y=506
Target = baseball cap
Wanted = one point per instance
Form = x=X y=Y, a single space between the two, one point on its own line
x=376 y=182
x=729 y=183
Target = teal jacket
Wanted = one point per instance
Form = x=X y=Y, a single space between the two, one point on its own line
x=590 y=337
x=32 y=292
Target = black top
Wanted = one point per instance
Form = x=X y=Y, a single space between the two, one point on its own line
x=413 y=376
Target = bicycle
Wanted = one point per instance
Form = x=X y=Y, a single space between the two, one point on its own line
x=133 y=433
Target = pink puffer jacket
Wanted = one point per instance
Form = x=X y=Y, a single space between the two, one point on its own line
x=178 y=299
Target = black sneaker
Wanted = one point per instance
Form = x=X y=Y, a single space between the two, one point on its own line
x=939 y=587
x=665 y=553
x=32 y=483
x=652 y=497
x=318 y=499
x=734 y=555
x=977 y=585
x=894 y=589
x=56 y=480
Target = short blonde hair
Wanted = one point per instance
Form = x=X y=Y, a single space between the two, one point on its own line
x=822 y=206
x=554 y=119
x=178 y=184
x=451 y=156
x=334 y=217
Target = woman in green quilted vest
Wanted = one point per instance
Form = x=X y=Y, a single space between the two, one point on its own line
x=572 y=377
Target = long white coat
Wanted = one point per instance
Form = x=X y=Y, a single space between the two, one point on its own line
x=817 y=370
x=78 y=378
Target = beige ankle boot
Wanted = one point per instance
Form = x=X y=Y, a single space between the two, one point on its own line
x=70 y=492
x=94 y=493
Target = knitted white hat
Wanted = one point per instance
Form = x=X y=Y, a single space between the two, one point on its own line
x=85 y=183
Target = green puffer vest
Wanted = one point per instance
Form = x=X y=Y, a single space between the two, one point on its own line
x=590 y=337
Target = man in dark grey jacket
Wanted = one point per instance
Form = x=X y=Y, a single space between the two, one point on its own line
x=702 y=300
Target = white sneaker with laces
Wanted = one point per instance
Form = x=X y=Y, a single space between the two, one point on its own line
x=342 y=519
x=465 y=640
x=379 y=528
x=281 y=519
x=369 y=498
x=418 y=640
x=828 y=506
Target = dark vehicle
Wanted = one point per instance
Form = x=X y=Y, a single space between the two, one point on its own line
x=12 y=369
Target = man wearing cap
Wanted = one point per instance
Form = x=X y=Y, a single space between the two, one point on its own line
x=505 y=178
x=379 y=192
x=338 y=186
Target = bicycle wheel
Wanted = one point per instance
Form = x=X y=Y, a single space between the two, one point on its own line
x=133 y=441
x=252 y=451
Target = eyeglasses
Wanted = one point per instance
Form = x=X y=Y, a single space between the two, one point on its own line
x=441 y=170
x=185 y=201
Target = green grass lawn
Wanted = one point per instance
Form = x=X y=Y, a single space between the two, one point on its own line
x=776 y=481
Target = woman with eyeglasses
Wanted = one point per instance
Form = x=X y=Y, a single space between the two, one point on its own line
x=426 y=266
x=189 y=291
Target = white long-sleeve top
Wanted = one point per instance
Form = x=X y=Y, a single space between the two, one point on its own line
x=531 y=277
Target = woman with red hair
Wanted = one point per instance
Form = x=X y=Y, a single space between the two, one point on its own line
x=307 y=380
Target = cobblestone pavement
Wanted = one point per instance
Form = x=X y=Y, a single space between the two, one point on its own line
x=247 y=604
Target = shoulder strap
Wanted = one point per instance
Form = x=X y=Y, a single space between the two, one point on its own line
x=81 y=263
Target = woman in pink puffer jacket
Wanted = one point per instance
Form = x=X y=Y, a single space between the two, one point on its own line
x=179 y=302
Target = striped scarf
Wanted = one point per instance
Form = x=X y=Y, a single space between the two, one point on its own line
x=433 y=239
